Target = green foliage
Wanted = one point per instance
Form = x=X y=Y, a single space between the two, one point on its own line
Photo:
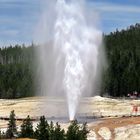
x=57 y=133
x=120 y=78
x=123 y=53
x=16 y=77
x=83 y=132
x=12 y=130
x=42 y=130
x=2 y=135
x=51 y=131
x=27 y=128
x=75 y=132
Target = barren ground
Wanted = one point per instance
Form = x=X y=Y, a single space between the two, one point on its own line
x=117 y=122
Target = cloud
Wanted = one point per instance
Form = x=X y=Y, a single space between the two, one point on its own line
x=110 y=7
x=114 y=15
x=18 y=18
x=9 y=32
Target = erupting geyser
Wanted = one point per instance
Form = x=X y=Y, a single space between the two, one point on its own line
x=72 y=64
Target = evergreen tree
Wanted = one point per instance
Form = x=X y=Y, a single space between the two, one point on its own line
x=12 y=130
x=59 y=134
x=51 y=131
x=16 y=77
x=27 y=128
x=123 y=49
x=42 y=130
x=83 y=132
x=0 y=135
x=75 y=132
x=3 y=135
x=120 y=78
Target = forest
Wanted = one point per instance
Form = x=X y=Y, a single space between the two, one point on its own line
x=123 y=55
x=16 y=76
x=119 y=78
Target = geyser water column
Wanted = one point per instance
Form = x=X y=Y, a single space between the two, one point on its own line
x=79 y=43
x=69 y=65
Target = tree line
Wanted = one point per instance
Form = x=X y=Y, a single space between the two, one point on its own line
x=44 y=130
x=120 y=78
x=123 y=54
x=16 y=76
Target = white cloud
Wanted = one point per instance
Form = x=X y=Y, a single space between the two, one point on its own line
x=110 y=7
x=10 y=32
x=19 y=17
x=17 y=20
x=116 y=16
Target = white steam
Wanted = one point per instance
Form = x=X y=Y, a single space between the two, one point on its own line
x=70 y=64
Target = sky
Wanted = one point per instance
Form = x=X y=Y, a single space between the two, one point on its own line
x=18 y=18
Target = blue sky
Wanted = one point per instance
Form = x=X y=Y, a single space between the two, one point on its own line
x=18 y=18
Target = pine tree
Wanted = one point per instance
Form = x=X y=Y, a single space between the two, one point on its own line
x=27 y=128
x=0 y=135
x=83 y=132
x=42 y=130
x=12 y=130
x=59 y=134
x=51 y=131
x=75 y=132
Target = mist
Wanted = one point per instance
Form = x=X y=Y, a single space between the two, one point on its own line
x=70 y=53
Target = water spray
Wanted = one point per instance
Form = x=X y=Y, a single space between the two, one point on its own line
x=77 y=41
x=74 y=58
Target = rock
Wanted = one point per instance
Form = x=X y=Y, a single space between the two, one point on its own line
x=131 y=132
x=98 y=98
x=92 y=135
x=105 y=133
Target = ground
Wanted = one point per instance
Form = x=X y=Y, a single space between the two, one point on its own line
x=113 y=123
x=107 y=118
